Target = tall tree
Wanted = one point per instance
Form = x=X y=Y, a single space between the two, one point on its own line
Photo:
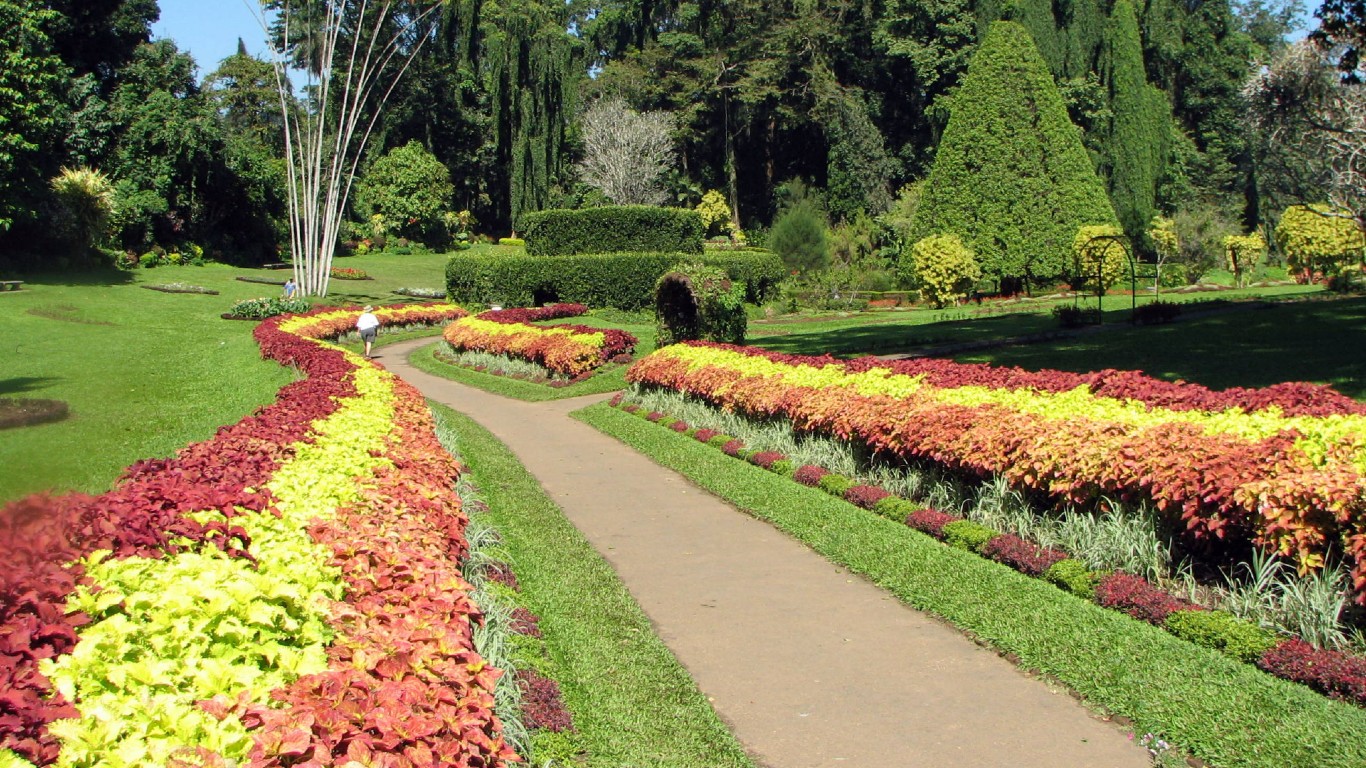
x=626 y=153
x=1011 y=178
x=1342 y=32
x=1138 y=132
x=32 y=79
x=98 y=37
x=1311 y=128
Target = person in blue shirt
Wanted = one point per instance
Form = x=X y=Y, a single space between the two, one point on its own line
x=290 y=288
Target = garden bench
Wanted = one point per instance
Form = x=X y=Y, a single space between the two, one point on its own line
x=276 y=265
x=11 y=285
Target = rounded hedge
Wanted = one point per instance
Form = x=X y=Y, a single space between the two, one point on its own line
x=612 y=229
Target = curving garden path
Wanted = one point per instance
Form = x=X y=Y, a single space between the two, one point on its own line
x=808 y=664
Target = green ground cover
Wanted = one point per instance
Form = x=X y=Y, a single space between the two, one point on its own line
x=632 y=702
x=1222 y=711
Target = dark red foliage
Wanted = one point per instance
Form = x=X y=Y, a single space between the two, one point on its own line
x=703 y=435
x=1138 y=597
x=766 y=459
x=1024 y=556
x=533 y=314
x=616 y=399
x=930 y=521
x=865 y=496
x=679 y=426
x=733 y=447
x=631 y=408
x=810 y=474
x=503 y=574
x=542 y=704
x=654 y=416
x=524 y=622
x=1335 y=674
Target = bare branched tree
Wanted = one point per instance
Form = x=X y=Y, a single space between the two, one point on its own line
x=1309 y=127
x=353 y=53
x=626 y=153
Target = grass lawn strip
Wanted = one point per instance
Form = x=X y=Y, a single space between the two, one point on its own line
x=631 y=700
x=1217 y=709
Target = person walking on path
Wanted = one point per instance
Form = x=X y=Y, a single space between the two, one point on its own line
x=368 y=325
x=290 y=288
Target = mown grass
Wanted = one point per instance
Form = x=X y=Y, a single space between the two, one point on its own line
x=632 y=702
x=913 y=330
x=147 y=372
x=1222 y=711
x=1255 y=347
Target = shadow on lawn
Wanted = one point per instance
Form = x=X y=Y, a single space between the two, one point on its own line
x=21 y=384
x=85 y=278
x=1256 y=346
x=891 y=337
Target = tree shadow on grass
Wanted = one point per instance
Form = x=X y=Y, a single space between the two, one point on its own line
x=907 y=337
x=20 y=384
x=87 y=278
x=1256 y=346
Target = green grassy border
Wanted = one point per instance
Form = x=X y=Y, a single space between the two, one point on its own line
x=1218 y=709
x=611 y=379
x=632 y=701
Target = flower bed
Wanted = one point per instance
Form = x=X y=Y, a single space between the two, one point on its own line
x=1335 y=674
x=348 y=273
x=1282 y=466
x=568 y=350
x=305 y=556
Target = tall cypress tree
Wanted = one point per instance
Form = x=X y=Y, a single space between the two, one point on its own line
x=1138 y=133
x=1011 y=177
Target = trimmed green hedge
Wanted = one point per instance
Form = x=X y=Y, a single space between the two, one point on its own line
x=621 y=280
x=612 y=229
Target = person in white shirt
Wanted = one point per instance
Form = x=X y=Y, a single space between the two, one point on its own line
x=368 y=325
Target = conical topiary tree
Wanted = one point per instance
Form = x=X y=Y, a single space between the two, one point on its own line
x=1136 y=148
x=1011 y=178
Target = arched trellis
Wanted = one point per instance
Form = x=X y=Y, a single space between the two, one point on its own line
x=1126 y=248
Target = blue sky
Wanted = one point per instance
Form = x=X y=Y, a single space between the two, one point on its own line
x=209 y=29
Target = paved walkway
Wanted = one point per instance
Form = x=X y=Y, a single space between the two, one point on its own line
x=810 y=665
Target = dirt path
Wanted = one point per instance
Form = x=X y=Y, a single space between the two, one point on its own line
x=809 y=664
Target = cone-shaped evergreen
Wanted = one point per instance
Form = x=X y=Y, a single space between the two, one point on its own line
x=1137 y=144
x=1011 y=177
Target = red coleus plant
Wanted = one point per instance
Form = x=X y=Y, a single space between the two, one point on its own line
x=930 y=521
x=1337 y=675
x=810 y=474
x=865 y=496
x=1024 y=556
x=1138 y=597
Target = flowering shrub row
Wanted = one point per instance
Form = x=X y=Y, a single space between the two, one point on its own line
x=347 y=444
x=1335 y=674
x=1279 y=476
x=569 y=350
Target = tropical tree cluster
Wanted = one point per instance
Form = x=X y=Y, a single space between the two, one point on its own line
x=528 y=105
x=153 y=157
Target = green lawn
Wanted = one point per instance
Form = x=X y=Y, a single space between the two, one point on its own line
x=910 y=330
x=146 y=372
x=1315 y=341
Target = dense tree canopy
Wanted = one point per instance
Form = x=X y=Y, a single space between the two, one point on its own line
x=850 y=97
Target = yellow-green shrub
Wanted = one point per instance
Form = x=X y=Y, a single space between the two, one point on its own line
x=945 y=269
x=1319 y=238
x=1098 y=256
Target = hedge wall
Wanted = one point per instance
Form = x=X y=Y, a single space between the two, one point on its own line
x=621 y=280
x=612 y=229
